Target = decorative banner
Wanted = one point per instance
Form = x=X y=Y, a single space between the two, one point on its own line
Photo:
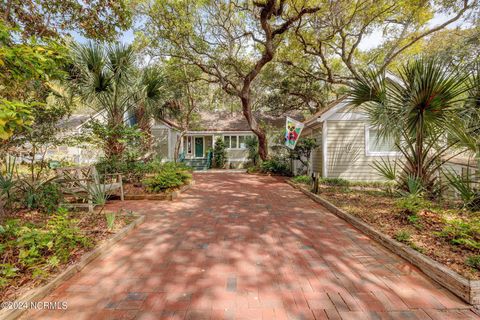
x=293 y=130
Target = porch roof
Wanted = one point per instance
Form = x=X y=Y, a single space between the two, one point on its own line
x=227 y=121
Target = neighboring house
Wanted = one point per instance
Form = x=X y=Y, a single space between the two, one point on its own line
x=349 y=145
x=69 y=127
x=232 y=127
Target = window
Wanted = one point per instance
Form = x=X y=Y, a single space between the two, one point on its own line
x=241 y=142
x=235 y=142
x=378 y=146
x=226 y=140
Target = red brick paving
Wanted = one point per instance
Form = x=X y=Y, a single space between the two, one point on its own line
x=247 y=247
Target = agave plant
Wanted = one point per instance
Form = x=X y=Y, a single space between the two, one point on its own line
x=417 y=108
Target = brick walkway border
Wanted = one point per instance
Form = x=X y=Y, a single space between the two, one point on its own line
x=247 y=247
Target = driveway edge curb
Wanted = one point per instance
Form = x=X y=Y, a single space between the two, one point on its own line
x=467 y=290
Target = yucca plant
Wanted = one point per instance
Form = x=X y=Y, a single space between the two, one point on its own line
x=416 y=107
x=464 y=186
x=388 y=170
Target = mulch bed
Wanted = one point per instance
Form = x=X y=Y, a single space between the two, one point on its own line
x=92 y=225
x=135 y=191
x=379 y=210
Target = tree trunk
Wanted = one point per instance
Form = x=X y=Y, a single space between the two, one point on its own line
x=178 y=144
x=144 y=125
x=113 y=145
x=259 y=132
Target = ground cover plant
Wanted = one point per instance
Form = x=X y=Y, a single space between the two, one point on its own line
x=34 y=247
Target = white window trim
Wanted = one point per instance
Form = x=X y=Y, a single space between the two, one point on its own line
x=238 y=142
x=369 y=153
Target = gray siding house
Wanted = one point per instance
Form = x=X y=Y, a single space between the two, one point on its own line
x=349 y=145
x=195 y=143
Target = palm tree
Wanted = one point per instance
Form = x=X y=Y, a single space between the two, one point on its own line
x=107 y=79
x=417 y=108
x=104 y=78
x=150 y=102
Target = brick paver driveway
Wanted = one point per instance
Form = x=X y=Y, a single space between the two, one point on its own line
x=247 y=247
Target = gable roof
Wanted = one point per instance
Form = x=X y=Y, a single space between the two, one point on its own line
x=169 y=123
x=331 y=108
x=235 y=120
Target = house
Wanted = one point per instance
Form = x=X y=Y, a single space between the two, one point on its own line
x=349 y=145
x=230 y=126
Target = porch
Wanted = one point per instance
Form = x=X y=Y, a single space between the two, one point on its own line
x=196 y=146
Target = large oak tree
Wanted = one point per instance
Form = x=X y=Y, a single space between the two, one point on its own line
x=392 y=28
x=231 y=41
x=101 y=19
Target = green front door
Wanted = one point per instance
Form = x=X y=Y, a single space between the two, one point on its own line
x=198 y=147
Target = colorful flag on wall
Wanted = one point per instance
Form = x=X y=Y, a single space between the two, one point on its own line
x=293 y=130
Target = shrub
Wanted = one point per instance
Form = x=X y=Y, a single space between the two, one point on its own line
x=131 y=169
x=403 y=236
x=337 y=182
x=49 y=198
x=253 y=169
x=38 y=248
x=219 y=154
x=66 y=235
x=473 y=261
x=42 y=194
x=276 y=166
x=463 y=233
x=302 y=179
x=168 y=178
x=412 y=204
x=252 y=145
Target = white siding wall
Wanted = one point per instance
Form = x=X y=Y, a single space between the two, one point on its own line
x=346 y=152
x=161 y=142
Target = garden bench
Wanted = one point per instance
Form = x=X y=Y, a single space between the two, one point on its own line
x=81 y=181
